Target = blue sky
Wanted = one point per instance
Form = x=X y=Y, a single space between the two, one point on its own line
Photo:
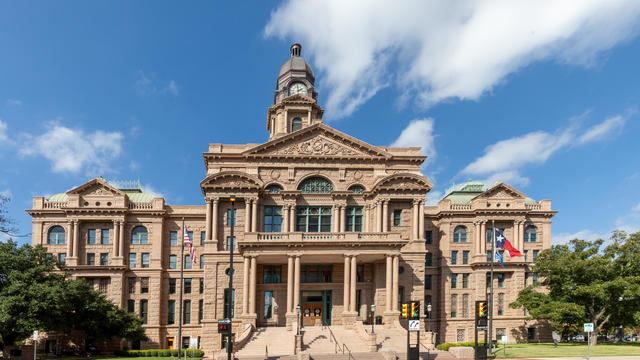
x=542 y=95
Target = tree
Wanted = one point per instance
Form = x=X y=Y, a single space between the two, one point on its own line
x=583 y=283
x=34 y=296
x=6 y=223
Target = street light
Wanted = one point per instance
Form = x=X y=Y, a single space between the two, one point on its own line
x=373 y=313
x=232 y=221
x=299 y=320
x=429 y=326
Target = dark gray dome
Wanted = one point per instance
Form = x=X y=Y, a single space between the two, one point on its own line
x=296 y=62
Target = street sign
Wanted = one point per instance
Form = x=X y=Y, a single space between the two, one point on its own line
x=193 y=342
x=414 y=325
x=503 y=340
x=588 y=327
x=35 y=335
x=223 y=326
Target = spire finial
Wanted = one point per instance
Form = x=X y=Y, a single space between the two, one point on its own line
x=296 y=49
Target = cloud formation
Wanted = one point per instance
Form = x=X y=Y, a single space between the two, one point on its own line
x=3 y=131
x=419 y=132
x=73 y=150
x=149 y=85
x=433 y=51
x=14 y=102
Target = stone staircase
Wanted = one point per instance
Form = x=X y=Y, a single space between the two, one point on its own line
x=274 y=341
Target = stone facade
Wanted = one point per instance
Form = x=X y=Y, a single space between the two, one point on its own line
x=323 y=221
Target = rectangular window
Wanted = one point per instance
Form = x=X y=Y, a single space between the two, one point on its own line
x=488 y=280
x=91 y=237
x=144 y=309
x=427 y=301
x=271 y=274
x=201 y=261
x=187 y=262
x=132 y=260
x=104 y=239
x=526 y=255
x=454 y=305
x=202 y=235
x=454 y=281
x=359 y=302
x=316 y=273
x=200 y=310
x=172 y=286
x=465 y=306
x=144 y=285
x=173 y=259
x=354 y=218
x=526 y=279
x=465 y=281
x=531 y=334
x=400 y=296
x=229 y=303
x=132 y=285
x=360 y=273
x=465 y=257
x=460 y=335
x=185 y=342
x=535 y=255
x=427 y=282
x=131 y=306
x=272 y=218
x=186 y=312
x=428 y=236
x=62 y=258
x=187 y=286
x=171 y=312
x=102 y=285
x=231 y=241
x=454 y=258
x=534 y=278
x=428 y=260
x=268 y=304
x=313 y=218
x=488 y=255
x=231 y=217
x=173 y=238
x=145 y=260
x=104 y=259
x=500 y=304
x=201 y=287
x=500 y=280
x=397 y=217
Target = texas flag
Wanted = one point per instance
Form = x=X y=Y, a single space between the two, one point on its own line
x=503 y=243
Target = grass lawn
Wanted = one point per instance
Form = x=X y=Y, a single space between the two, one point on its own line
x=567 y=349
x=114 y=358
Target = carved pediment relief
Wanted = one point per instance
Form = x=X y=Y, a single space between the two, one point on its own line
x=231 y=180
x=501 y=191
x=403 y=182
x=317 y=146
x=96 y=187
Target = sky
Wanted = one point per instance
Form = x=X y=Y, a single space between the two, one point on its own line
x=543 y=95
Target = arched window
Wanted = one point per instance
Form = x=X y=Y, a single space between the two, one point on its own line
x=460 y=234
x=316 y=185
x=274 y=188
x=139 y=235
x=530 y=233
x=356 y=189
x=296 y=124
x=56 y=235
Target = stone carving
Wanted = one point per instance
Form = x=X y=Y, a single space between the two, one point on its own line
x=357 y=175
x=275 y=174
x=317 y=146
x=232 y=182
x=98 y=190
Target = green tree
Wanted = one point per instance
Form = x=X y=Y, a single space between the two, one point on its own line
x=6 y=223
x=35 y=295
x=580 y=282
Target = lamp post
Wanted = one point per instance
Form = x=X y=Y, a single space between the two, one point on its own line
x=299 y=320
x=232 y=221
x=429 y=326
x=373 y=313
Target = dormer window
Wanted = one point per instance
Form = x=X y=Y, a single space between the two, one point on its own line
x=296 y=124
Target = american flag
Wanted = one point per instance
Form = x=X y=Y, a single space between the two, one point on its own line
x=189 y=243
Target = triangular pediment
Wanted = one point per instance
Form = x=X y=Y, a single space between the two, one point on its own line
x=317 y=140
x=96 y=186
x=501 y=191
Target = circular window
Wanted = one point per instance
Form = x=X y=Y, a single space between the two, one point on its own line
x=109 y=203
x=97 y=203
x=86 y=203
x=498 y=205
x=400 y=269
x=488 y=205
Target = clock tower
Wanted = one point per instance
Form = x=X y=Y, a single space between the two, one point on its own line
x=295 y=100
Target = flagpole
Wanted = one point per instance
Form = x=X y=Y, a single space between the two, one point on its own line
x=493 y=254
x=181 y=281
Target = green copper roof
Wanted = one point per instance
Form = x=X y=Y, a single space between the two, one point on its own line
x=459 y=197
x=136 y=196
x=462 y=194
x=529 y=200
x=62 y=197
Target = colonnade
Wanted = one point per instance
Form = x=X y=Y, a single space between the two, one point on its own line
x=480 y=237
x=73 y=240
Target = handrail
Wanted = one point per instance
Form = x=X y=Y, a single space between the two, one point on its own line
x=332 y=337
x=344 y=346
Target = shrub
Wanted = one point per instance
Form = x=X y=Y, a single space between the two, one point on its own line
x=446 y=346
x=153 y=353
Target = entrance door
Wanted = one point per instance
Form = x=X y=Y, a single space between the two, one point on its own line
x=310 y=313
x=170 y=343
x=316 y=307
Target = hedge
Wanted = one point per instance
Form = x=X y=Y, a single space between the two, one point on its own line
x=446 y=346
x=160 y=353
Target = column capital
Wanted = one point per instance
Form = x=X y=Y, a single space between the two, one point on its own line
x=416 y=202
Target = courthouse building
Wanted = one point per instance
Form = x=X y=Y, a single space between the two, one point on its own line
x=323 y=220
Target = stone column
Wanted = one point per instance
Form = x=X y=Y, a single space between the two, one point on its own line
x=70 y=238
x=214 y=221
x=347 y=287
x=76 y=239
x=252 y=285
x=285 y=220
x=354 y=279
x=366 y=218
x=342 y=218
x=290 y=271
x=245 y=286
x=296 y=283
x=254 y=215
x=414 y=213
x=247 y=215
x=477 y=238
x=123 y=240
x=378 y=217
x=292 y=220
x=385 y=215
x=336 y=218
x=421 y=221
x=207 y=224
x=388 y=279
x=520 y=235
x=483 y=237
x=115 y=239
x=394 y=301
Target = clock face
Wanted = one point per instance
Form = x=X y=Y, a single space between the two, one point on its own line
x=298 y=88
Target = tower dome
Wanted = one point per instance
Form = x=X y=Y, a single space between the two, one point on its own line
x=295 y=77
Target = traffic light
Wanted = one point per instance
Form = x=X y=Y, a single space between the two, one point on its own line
x=482 y=310
x=404 y=310
x=415 y=309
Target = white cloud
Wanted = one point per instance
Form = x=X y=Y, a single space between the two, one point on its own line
x=15 y=102
x=433 y=51
x=418 y=133
x=172 y=88
x=150 y=189
x=3 y=131
x=73 y=150
x=148 y=85
x=509 y=177
x=6 y=193
x=564 y=238
x=433 y=197
x=636 y=209
x=599 y=131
